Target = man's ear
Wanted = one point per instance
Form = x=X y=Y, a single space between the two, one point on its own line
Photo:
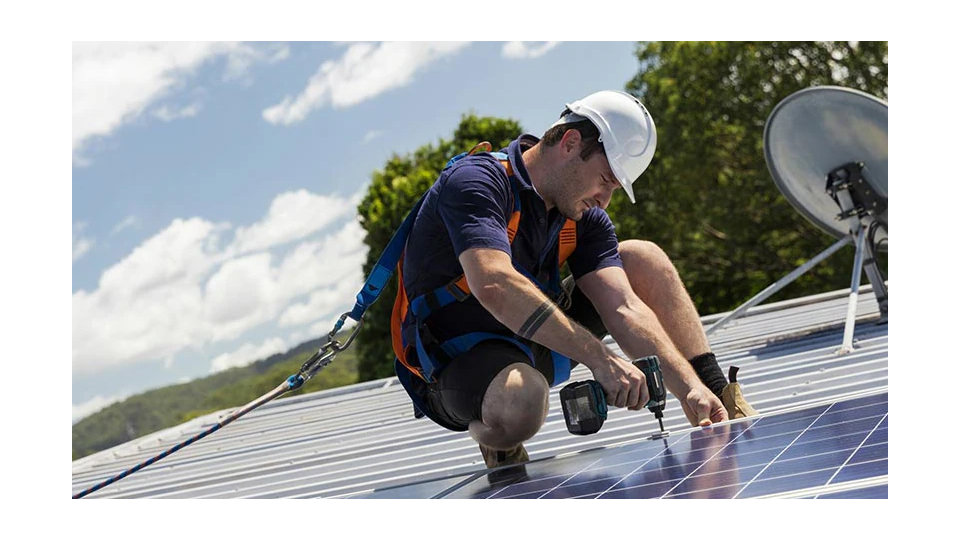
x=570 y=142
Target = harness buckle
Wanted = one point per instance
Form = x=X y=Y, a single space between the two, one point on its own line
x=455 y=291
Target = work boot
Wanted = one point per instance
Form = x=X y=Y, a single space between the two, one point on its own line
x=507 y=464
x=498 y=458
x=733 y=400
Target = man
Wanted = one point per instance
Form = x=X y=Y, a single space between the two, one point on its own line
x=484 y=359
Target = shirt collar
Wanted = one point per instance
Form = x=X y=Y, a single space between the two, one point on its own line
x=515 y=154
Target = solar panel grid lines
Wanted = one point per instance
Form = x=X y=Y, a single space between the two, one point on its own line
x=561 y=483
x=854 y=436
x=383 y=416
x=751 y=426
x=869 y=488
x=722 y=479
x=724 y=468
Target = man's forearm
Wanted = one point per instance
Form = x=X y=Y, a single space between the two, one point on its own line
x=639 y=333
x=520 y=306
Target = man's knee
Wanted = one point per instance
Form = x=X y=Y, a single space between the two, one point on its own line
x=646 y=258
x=516 y=402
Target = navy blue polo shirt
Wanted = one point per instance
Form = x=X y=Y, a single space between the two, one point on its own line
x=469 y=206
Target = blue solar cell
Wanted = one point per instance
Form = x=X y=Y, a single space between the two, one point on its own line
x=719 y=492
x=879 y=436
x=799 y=450
x=730 y=458
x=830 y=460
x=649 y=491
x=876 y=399
x=860 y=471
x=869 y=453
x=708 y=481
x=569 y=491
x=533 y=495
x=807 y=448
x=782 y=484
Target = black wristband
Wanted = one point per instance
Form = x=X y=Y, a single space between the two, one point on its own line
x=709 y=372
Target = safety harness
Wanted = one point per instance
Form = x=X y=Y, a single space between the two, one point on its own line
x=417 y=351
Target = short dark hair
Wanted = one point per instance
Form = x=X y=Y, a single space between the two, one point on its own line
x=589 y=135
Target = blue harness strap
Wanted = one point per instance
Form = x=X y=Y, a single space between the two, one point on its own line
x=383 y=269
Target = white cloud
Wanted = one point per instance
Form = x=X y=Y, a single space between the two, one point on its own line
x=292 y=216
x=81 y=244
x=113 y=83
x=80 y=247
x=127 y=222
x=182 y=289
x=524 y=49
x=371 y=135
x=247 y=354
x=240 y=60
x=322 y=302
x=364 y=71
x=168 y=114
x=93 y=405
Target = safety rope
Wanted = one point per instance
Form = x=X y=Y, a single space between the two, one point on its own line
x=314 y=364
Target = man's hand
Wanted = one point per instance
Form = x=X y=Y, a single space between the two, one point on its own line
x=702 y=407
x=624 y=383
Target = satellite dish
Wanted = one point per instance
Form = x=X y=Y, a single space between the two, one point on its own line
x=826 y=148
x=831 y=136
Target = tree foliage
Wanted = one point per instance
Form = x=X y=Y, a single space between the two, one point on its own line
x=708 y=199
x=392 y=193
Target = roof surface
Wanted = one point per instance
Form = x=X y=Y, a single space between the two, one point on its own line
x=359 y=439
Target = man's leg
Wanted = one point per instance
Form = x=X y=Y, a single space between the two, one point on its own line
x=514 y=408
x=495 y=393
x=656 y=281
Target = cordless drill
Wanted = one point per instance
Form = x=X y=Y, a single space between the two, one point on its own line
x=585 y=406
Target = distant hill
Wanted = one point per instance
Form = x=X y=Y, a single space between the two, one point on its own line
x=164 y=407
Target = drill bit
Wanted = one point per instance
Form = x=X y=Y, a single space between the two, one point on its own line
x=663 y=433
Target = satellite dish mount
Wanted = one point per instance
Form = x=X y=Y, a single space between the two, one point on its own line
x=826 y=148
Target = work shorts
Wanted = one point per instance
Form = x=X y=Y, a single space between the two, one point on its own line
x=455 y=399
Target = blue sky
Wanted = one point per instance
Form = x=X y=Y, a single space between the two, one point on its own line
x=215 y=184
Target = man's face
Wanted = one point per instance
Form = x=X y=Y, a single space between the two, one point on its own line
x=582 y=185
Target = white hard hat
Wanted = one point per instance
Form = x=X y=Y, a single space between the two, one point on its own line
x=627 y=132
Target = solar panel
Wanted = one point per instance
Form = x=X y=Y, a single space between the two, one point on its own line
x=836 y=450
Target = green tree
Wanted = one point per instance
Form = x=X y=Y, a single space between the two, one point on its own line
x=708 y=199
x=392 y=193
